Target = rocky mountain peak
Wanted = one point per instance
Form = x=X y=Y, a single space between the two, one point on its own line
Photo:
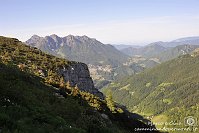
x=70 y=37
x=55 y=37
x=35 y=37
x=84 y=37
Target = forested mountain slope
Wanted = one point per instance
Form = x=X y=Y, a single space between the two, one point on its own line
x=169 y=91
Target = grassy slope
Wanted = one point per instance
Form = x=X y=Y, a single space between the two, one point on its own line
x=27 y=105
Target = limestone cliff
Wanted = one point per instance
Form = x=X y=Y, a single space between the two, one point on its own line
x=78 y=74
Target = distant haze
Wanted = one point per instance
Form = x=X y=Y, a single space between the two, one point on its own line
x=112 y=21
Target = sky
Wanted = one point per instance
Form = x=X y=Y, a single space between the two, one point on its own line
x=109 y=21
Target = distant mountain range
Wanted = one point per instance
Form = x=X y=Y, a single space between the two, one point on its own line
x=146 y=51
x=123 y=46
x=182 y=41
x=79 y=48
x=164 y=50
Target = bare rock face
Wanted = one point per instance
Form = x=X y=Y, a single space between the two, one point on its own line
x=78 y=74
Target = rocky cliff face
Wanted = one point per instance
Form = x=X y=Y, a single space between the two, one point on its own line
x=78 y=74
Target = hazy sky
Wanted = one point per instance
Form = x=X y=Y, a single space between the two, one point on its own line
x=110 y=21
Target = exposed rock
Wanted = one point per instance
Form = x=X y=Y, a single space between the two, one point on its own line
x=105 y=116
x=78 y=74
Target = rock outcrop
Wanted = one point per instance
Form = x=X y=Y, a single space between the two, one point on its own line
x=78 y=74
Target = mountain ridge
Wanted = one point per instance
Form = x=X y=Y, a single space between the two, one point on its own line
x=75 y=43
x=164 y=51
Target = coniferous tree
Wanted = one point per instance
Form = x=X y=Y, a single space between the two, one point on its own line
x=110 y=102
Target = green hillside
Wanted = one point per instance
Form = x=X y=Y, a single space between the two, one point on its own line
x=168 y=92
x=36 y=102
x=27 y=105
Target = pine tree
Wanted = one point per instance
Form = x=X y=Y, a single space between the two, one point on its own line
x=62 y=83
x=49 y=78
x=110 y=102
x=75 y=91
